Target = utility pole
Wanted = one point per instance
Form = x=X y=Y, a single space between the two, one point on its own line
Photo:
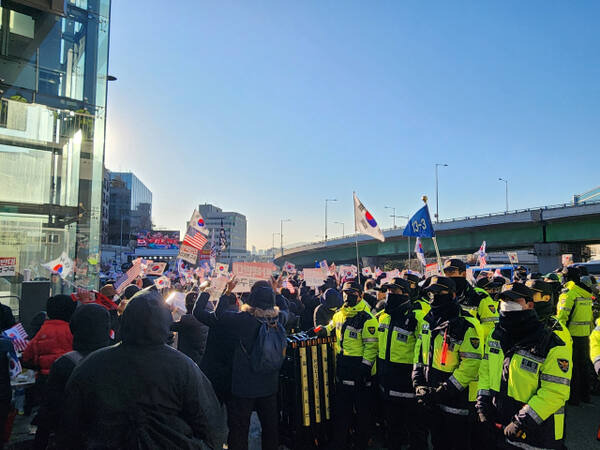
x=327 y=200
x=437 y=202
x=505 y=191
x=281 y=233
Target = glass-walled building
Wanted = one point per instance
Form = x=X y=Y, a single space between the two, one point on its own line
x=130 y=208
x=53 y=76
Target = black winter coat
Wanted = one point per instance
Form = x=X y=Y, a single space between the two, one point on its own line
x=90 y=326
x=192 y=336
x=141 y=393
x=217 y=361
x=244 y=326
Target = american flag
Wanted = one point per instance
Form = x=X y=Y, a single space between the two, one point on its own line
x=134 y=272
x=18 y=336
x=194 y=238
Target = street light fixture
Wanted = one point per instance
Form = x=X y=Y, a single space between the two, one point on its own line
x=342 y=224
x=281 y=233
x=437 y=203
x=327 y=200
x=506 y=190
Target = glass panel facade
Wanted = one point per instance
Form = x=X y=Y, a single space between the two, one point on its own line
x=53 y=73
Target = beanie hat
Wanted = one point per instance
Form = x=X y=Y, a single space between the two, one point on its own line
x=262 y=296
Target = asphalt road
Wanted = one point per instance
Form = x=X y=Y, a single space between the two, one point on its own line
x=582 y=425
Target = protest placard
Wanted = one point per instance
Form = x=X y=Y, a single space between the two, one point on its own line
x=188 y=254
x=8 y=266
x=431 y=269
x=512 y=257
x=248 y=273
x=567 y=259
x=314 y=277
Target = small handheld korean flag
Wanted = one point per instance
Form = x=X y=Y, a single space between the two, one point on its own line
x=221 y=268
x=289 y=267
x=197 y=222
x=364 y=222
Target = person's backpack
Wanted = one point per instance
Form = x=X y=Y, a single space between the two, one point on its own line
x=268 y=352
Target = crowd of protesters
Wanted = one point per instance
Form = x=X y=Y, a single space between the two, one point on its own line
x=125 y=371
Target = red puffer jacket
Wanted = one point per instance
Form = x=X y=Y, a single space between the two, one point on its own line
x=52 y=341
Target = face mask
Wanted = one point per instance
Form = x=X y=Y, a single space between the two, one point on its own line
x=510 y=307
x=394 y=301
x=439 y=300
x=461 y=283
x=350 y=299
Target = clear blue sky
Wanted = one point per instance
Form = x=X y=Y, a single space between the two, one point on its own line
x=268 y=108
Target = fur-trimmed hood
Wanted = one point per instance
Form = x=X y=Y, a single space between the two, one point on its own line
x=261 y=313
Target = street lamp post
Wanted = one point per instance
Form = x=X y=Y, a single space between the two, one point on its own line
x=281 y=233
x=437 y=203
x=327 y=200
x=505 y=190
x=342 y=224
x=273 y=244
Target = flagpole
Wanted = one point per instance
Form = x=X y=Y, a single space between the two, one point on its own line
x=356 y=241
x=408 y=237
x=435 y=245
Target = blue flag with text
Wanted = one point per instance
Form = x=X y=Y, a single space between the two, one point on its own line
x=420 y=225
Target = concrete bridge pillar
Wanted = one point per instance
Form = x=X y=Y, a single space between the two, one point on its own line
x=549 y=254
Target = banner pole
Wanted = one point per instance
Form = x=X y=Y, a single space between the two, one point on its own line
x=408 y=237
x=437 y=252
x=356 y=239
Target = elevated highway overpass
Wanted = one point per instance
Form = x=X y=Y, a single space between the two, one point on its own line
x=548 y=231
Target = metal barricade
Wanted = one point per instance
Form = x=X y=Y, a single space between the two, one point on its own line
x=306 y=390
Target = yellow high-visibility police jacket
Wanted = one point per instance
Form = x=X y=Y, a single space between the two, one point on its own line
x=534 y=388
x=574 y=309
x=457 y=363
x=357 y=343
x=595 y=347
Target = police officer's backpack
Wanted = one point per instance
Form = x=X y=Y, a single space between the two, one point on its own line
x=268 y=352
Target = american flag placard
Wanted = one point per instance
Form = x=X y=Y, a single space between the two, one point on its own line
x=18 y=336
x=194 y=238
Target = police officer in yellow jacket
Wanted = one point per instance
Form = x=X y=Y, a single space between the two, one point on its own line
x=542 y=303
x=487 y=311
x=524 y=377
x=595 y=347
x=448 y=352
x=575 y=312
x=356 y=350
x=415 y=291
x=397 y=333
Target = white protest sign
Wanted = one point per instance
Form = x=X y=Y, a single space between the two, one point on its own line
x=188 y=253
x=567 y=259
x=314 y=277
x=217 y=286
x=431 y=269
x=8 y=266
x=248 y=273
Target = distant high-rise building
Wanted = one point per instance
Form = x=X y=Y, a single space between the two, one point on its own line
x=234 y=225
x=130 y=208
x=105 y=208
